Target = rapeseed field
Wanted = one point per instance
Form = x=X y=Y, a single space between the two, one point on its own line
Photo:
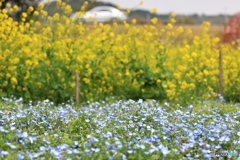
x=40 y=54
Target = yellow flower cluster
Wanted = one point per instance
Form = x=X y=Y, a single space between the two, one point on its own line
x=39 y=59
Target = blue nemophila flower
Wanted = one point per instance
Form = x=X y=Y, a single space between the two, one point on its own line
x=34 y=155
x=62 y=146
x=4 y=153
x=55 y=152
x=12 y=128
x=32 y=139
x=87 y=144
x=45 y=140
x=2 y=129
x=118 y=145
x=87 y=120
x=19 y=100
x=188 y=155
x=11 y=145
x=190 y=106
x=224 y=138
x=87 y=150
x=206 y=151
x=21 y=141
x=20 y=155
x=130 y=151
x=161 y=148
x=167 y=104
x=217 y=146
x=211 y=138
x=95 y=149
x=7 y=99
x=73 y=151
x=43 y=148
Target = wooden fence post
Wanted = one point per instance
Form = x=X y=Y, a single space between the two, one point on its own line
x=77 y=90
x=220 y=72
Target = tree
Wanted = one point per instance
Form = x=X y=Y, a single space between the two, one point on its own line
x=22 y=4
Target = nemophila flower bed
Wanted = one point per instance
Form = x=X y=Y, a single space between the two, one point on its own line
x=117 y=130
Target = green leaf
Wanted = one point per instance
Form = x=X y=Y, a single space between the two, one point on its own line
x=3 y=94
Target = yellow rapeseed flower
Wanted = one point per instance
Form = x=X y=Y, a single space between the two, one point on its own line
x=172 y=15
x=154 y=10
x=56 y=17
x=127 y=73
x=5 y=83
x=28 y=63
x=8 y=75
x=206 y=23
x=154 y=20
x=67 y=9
x=4 y=11
x=15 y=7
x=30 y=9
x=27 y=75
x=15 y=60
x=112 y=34
x=86 y=80
x=158 y=81
x=35 y=13
x=8 y=5
x=194 y=54
x=169 y=26
x=24 y=14
x=134 y=21
x=13 y=81
x=40 y=6
x=172 y=20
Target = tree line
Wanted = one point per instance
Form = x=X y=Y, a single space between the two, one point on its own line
x=23 y=5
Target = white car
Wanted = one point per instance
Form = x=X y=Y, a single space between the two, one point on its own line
x=101 y=14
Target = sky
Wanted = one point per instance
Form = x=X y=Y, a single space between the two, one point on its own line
x=207 y=7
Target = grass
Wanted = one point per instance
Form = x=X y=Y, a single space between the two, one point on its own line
x=118 y=130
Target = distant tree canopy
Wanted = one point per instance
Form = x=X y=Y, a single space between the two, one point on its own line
x=185 y=20
x=22 y=4
x=139 y=14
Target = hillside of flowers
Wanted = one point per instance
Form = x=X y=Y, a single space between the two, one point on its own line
x=40 y=54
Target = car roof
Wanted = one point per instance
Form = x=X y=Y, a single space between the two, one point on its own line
x=103 y=7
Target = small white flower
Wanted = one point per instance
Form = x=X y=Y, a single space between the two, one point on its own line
x=238 y=133
x=25 y=134
x=167 y=104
